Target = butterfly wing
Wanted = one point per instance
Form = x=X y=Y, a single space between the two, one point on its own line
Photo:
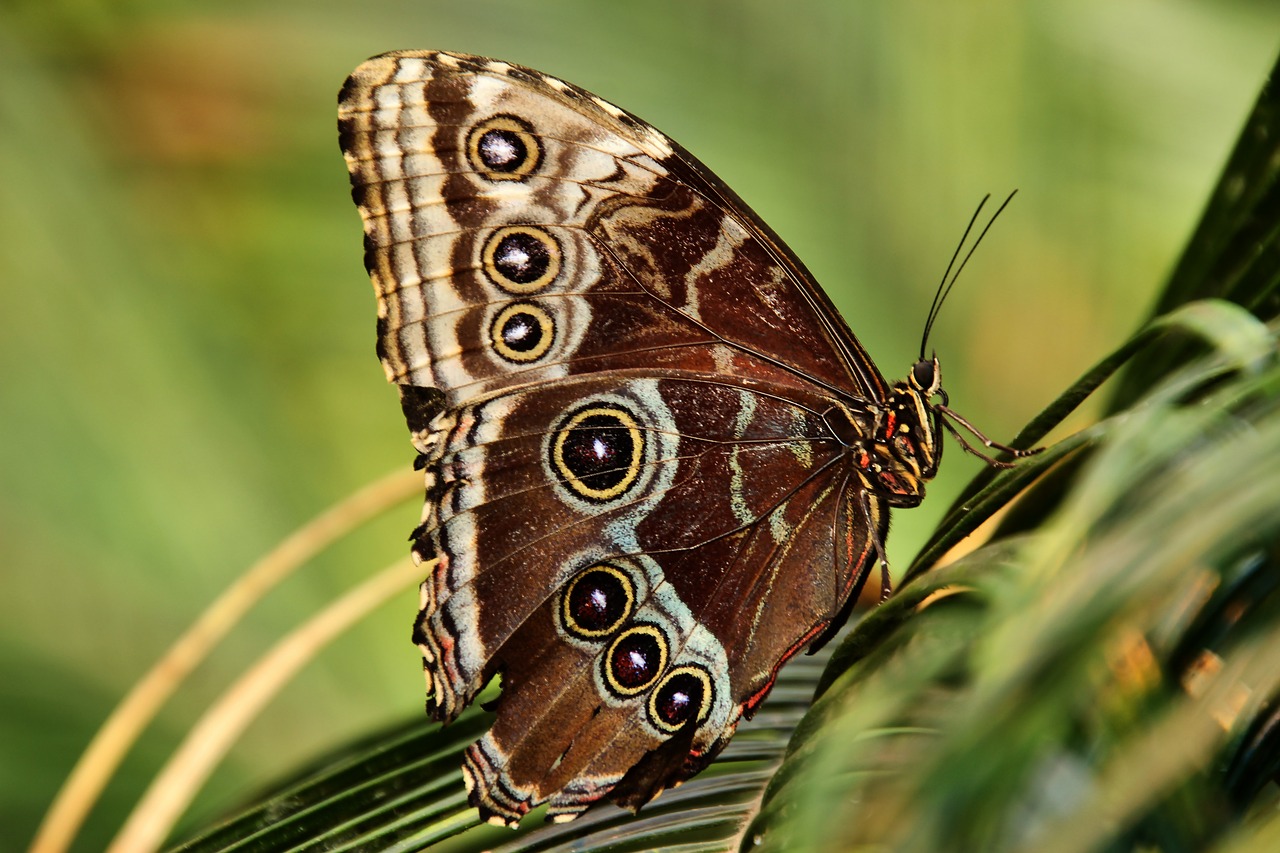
x=619 y=380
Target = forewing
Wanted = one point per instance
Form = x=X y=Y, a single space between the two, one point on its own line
x=519 y=230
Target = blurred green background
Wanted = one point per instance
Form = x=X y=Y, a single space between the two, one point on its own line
x=186 y=331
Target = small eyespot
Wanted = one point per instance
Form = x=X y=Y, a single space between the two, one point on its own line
x=597 y=450
x=685 y=694
x=635 y=659
x=521 y=259
x=597 y=601
x=522 y=332
x=504 y=148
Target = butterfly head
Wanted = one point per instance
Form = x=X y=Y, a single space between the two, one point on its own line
x=905 y=445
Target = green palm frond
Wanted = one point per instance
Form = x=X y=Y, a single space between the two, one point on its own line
x=403 y=791
x=1086 y=685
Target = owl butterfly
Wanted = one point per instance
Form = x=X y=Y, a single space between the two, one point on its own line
x=658 y=464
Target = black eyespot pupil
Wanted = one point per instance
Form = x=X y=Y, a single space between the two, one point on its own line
x=502 y=150
x=597 y=601
x=598 y=451
x=679 y=699
x=521 y=258
x=522 y=332
x=635 y=660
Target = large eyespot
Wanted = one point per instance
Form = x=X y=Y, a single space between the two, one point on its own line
x=597 y=601
x=522 y=332
x=685 y=694
x=503 y=148
x=521 y=258
x=635 y=659
x=597 y=451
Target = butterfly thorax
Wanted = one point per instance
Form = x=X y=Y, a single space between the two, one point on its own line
x=900 y=450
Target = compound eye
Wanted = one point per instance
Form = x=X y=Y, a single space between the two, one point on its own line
x=922 y=375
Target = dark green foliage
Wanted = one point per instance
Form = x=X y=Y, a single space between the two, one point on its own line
x=1095 y=683
x=1106 y=678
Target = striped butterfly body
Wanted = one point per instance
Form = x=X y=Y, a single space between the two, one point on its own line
x=658 y=464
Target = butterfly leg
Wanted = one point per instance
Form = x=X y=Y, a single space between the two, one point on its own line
x=873 y=526
x=986 y=442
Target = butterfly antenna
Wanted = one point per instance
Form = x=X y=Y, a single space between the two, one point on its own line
x=937 y=294
x=944 y=287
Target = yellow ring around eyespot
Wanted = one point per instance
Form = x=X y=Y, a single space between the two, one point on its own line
x=533 y=150
x=652 y=631
x=704 y=707
x=633 y=469
x=519 y=287
x=571 y=625
x=545 y=324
